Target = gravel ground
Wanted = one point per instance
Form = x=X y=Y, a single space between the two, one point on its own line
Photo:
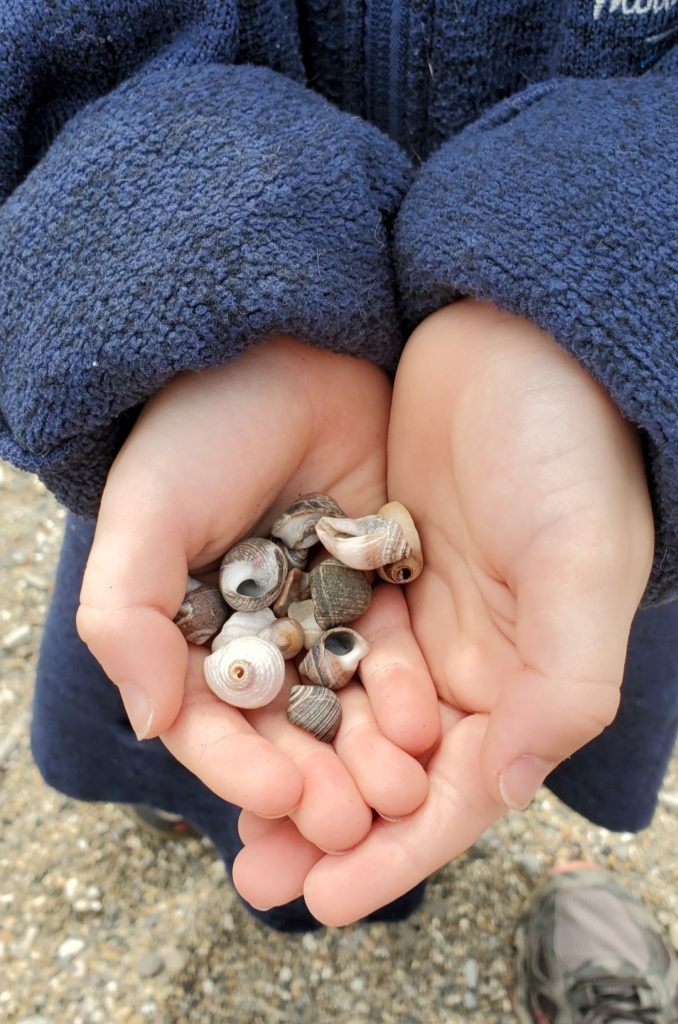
x=102 y=923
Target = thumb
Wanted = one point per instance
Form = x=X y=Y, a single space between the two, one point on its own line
x=573 y=620
x=188 y=482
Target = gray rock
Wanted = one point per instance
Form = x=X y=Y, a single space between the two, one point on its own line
x=174 y=960
x=470 y=1001
x=150 y=964
x=530 y=863
x=470 y=972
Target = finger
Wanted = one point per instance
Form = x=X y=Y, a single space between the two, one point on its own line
x=395 y=675
x=390 y=781
x=397 y=855
x=332 y=814
x=218 y=745
x=169 y=502
x=272 y=868
x=251 y=826
x=572 y=627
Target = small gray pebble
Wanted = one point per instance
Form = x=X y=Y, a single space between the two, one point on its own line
x=470 y=1001
x=174 y=959
x=530 y=864
x=150 y=964
x=470 y=971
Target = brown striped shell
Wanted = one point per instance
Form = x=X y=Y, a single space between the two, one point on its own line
x=252 y=574
x=202 y=612
x=295 y=588
x=334 y=657
x=296 y=526
x=408 y=566
x=315 y=709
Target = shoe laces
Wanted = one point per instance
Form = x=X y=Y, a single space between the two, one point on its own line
x=608 y=1000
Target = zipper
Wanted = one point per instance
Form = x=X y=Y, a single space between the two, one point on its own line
x=386 y=41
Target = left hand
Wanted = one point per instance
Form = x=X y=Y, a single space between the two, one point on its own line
x=529 y=492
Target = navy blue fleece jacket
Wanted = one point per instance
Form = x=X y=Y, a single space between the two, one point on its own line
x=180 y=178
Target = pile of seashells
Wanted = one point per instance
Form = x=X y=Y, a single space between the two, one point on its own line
x=268 y=608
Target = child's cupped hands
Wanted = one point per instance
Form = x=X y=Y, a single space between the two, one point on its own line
x=529 y=492
x=213 y=457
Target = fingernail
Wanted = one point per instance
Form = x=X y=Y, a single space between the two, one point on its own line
x=387 y=817
x=520 y=781
x=138 y=707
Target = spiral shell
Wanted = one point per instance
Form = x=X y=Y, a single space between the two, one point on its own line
x=243 y=624
x=296 y=526
x=295 y=588
x=339 y=594
x=202 y=612
x=333 y=657
x=286 y=634
x=252 y=574
x=408 y=566
x=296 y=557
x=315 y=709
x=372 y=541
x=248 y=672
x=303 y=612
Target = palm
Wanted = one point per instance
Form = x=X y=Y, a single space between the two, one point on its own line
x=529 y=494
x=214 y=457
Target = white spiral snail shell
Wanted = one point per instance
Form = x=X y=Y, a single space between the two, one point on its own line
x=387 y=542
x=248 y=672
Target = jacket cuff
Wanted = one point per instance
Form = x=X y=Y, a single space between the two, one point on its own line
x=172 y=223
x=558 y=205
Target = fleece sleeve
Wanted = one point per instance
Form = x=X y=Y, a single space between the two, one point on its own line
x=187 y=212
x=561 y=205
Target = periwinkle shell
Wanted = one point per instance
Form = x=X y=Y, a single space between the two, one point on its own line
x=334 y=657
x=409 y=565
x=202 y=612
x=315 y=709
x=248 y=672
x=365 y=543
x=287 y=635
x=296 y=526
x=243 y=624
x=295 y=588
x=339 y=594
x=252 y=574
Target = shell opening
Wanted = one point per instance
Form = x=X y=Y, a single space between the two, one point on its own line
x=339 y=643
x=250 y=588
x=404 y=573
x=237 y=672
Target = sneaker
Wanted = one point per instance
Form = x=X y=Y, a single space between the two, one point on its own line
x=589 y=953
x=161 y=824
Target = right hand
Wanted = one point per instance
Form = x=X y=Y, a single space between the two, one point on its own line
x=213 y=457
